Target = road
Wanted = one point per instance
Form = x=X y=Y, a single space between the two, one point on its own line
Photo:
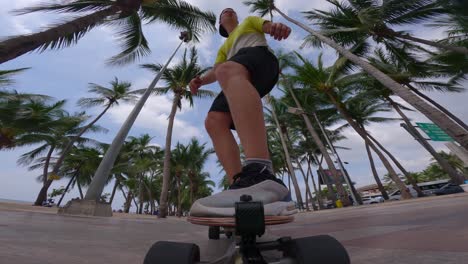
x=426 y=230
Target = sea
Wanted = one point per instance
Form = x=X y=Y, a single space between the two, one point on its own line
x=14 y=201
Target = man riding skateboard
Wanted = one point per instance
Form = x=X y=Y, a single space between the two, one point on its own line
x=246 y=70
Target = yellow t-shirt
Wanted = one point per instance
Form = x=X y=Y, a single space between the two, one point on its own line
x=249 y=33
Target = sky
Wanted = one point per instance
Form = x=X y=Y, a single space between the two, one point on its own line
x=66 y=74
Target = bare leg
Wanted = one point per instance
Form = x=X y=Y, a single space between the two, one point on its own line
x=246 y=108
x=218 y=126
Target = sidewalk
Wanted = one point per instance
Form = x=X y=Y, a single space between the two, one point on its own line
x=429 y=230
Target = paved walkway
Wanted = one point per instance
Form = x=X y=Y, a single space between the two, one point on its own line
x=426 y=230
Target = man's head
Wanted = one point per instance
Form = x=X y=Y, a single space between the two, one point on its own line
x=228 y=15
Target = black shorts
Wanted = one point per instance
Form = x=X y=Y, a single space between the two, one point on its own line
x=264 y=71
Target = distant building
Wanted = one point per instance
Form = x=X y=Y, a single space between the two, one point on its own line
x=371 y=189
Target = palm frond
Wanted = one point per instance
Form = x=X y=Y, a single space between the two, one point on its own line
x=74 y=6
x=134 y=43
x=180 y=15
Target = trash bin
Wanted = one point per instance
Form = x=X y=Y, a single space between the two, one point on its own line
x=339 y=204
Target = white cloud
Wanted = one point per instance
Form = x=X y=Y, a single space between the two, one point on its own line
x=154 y=116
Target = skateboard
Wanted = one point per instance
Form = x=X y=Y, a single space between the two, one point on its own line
x=243 y=229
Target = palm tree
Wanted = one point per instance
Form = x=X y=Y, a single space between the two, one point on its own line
x=127 y=15
x=79 y=166
x=334 y=84
x=286 y=60
x=197 y=156
x=363 y=108
x=286 y=147
x=179 y=164
x=5 y=76
x=53 y=140
x=22 y=113
x=119 y=91
x=177 y=79
x=358 y=20
x=411 y=75
x=450 y=127
x=415 y=76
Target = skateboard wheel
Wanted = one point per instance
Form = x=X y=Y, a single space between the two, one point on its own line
x=318 y=249
x=213 y=232
x=172 y=252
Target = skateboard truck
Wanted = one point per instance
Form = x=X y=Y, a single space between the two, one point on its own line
x=250 y=223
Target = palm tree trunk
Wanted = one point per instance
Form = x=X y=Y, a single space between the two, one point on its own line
x=436 y=116
x=150 y=194
x=458 y=49
x=114 y=190
x=400 y=184
x=102 y=173
x=318 y=195
x=179 y=203
x=288 y=158
x=42 y=196
x=140 y=192
x=72 y=141
x=376 y=175
x=79 y=188
x=167 y=160
x=441 y=108
x=408 y=176
x=66 y=190
x=17 y=46
x=67 y=149
x=308 y=193
x=452 y=172
x=128 y=201
x=331 y=166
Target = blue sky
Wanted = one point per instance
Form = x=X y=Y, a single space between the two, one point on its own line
x=65 y=74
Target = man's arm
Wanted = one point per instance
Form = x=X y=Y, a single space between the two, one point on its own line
x=207 y=78
x=278 y=31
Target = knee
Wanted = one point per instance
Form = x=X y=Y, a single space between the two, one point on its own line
x=229 y=70
x=215 y=121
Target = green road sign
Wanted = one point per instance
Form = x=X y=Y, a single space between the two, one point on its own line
x=434 y=132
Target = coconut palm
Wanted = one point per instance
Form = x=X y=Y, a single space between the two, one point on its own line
x=416 y=76
x=127 y=15
x=198 y=155
x=334 y=85
x=363 y=109
x=119 y=92
x=281 y=131
x=79 y=166
x=286 y=60
x=51 y=141
x=450 y=127
x=355 y=20
x=177 y=79
x=6 y=76
x=408 y=75
x=22 y=114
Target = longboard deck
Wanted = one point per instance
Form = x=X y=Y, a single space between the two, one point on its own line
x=231 y=221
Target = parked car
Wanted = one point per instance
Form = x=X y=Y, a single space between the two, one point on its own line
x=372 y=199
x=396 y=195
x=449 y=188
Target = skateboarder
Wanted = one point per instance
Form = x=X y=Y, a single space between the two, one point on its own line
x=246 y=69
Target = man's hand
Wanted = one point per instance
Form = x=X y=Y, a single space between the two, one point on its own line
x=279 y=31
x=195 y=84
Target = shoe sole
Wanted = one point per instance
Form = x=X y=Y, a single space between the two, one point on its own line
x=272 y=209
